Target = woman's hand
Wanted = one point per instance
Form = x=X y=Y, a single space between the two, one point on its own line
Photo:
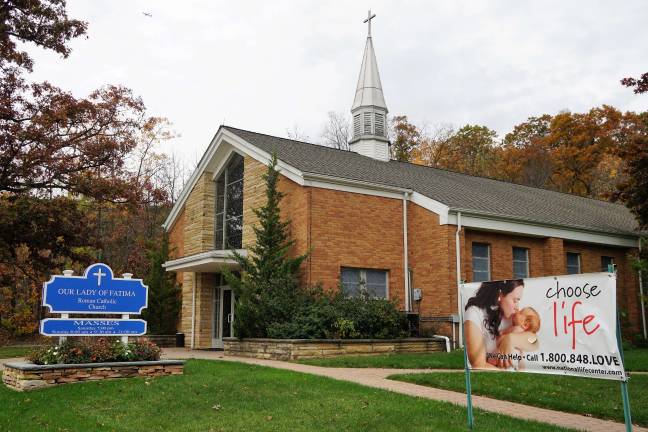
x=513 y=342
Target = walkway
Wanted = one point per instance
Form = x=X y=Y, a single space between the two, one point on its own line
x=378 y=378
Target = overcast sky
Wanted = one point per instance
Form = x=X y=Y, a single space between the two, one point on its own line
x=270 y=66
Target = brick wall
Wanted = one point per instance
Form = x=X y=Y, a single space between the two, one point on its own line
x=354 y=230
x=432 y=261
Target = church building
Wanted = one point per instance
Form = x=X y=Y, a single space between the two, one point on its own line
x=402 y=231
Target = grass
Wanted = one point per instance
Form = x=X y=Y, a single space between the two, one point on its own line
x=437 y=360
x=595 y=397
x=14 y=351
x=636 y=359
x=226 y=396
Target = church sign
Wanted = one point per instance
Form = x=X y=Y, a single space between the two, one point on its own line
x=92 y=327
x=96 y=292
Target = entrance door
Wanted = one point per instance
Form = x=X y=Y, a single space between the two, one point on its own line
x=223 y=307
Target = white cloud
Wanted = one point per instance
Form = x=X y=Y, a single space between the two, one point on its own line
x=267 y=66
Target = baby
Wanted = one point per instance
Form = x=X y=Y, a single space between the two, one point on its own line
x=524 y=320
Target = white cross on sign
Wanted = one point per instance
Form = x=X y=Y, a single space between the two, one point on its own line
x=368 y=20
x=99 y=275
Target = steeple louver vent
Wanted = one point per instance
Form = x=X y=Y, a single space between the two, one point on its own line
x=367 y=123
x=380 y=124
x=356 y=125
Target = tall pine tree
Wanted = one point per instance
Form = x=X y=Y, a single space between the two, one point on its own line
x=268 y=290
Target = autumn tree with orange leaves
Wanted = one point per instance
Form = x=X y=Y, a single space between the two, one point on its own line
x=67 y=165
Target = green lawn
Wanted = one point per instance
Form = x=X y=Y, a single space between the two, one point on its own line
x=14 y=351
x=636 y=359
x=599 y=398
x=437 y=360
x=226 y=396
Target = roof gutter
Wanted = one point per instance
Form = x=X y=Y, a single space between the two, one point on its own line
x=353 y=182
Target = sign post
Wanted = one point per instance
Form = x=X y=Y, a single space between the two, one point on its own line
x=96 y=292
x=469 y=407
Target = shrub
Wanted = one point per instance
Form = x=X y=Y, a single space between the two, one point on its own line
x=144 y=350
x=95 y=350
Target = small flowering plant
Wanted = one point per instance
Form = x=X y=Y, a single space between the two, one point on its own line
x=95 y=350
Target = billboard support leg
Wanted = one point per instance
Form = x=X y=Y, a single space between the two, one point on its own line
x=469 y=406
x=627 y=415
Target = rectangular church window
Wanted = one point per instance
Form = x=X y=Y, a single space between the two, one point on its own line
x=606 y=261
x=356 y=125
x=364 y=282
x=481 y=262
x=520 y=263
x=573 y=263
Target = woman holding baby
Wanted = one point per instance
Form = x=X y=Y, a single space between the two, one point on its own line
x=495 y=327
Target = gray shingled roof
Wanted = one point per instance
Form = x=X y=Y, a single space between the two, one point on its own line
x=458 y=191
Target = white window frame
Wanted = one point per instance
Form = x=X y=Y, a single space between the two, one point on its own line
x=526 y=262
x=488 y=260
x=580 y=268
x=363 y=278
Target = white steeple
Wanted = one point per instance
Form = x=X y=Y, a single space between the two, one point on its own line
x=369 y=109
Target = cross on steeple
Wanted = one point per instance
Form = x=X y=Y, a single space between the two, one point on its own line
x=368 y=21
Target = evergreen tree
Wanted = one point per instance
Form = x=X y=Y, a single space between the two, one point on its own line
x=267 y=291
x=164 y=293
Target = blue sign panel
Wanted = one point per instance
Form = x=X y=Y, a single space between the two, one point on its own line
x=92 y=327
x=96 y=292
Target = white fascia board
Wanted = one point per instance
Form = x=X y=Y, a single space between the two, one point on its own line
x=353 y=186
x=537 y=230
x=222 y=256
x=434 y=206
x=240 y=146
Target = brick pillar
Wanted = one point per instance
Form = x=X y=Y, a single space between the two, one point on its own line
x=554 y=257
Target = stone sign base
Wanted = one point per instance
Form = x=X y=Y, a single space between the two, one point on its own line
x=294 y=349
x=22 y=376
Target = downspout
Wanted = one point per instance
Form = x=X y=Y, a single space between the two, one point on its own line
x=408 y=307
x=458 y=255
x=193 y=313
x=641 y=298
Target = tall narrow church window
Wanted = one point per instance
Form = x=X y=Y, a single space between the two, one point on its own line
x=356 y=125
x=229 y=206
x=380 y=124
x=367 y=123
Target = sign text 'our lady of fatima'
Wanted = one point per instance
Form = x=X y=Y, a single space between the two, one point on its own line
x=96 y=292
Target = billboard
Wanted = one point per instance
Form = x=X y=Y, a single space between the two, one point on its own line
x=561 y=325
